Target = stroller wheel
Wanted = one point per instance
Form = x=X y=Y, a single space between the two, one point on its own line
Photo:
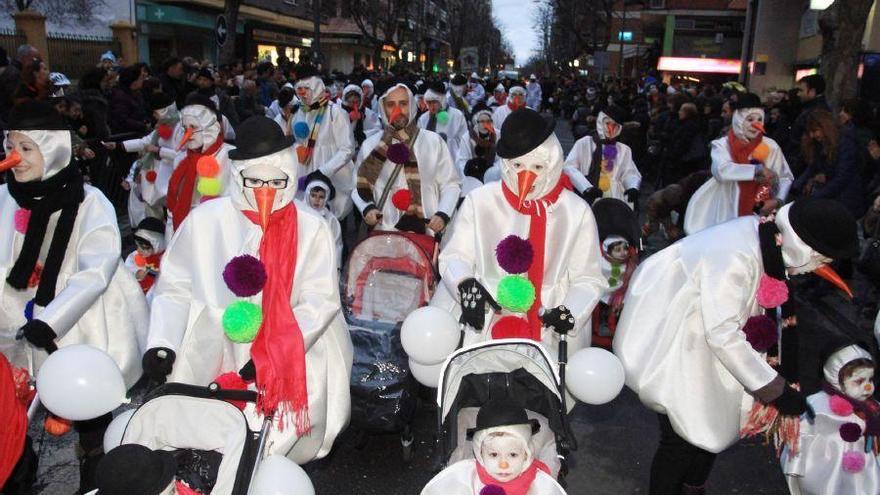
x=407 y=442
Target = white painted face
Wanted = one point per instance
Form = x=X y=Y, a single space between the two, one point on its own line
x=545 y=162
x=308 y=90
x=860 y=384
x=458 y=90
x=504 y=456
x=31 y=166
x=745 y=121
x=204 y=125
x=265 y=175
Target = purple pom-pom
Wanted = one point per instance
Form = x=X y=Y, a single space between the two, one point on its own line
x=850 y=432
x=761 y=332
x=301 y=183
x=514 y=254
x=245 y=275
x=853 y=462
x=609 y=151
x=398 y=153
x=492 y=490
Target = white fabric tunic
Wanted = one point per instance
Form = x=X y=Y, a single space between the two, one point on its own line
x=717 y=200
x=499 y=115
x=579 y=164
x=817 y=469
x=190 y=297
x=572 y=276
x=461 y=479
x=679 y=336
x=97 y=301
x=147 y=198
x=454 y=131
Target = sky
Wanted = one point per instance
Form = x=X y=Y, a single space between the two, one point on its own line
x=516 y=21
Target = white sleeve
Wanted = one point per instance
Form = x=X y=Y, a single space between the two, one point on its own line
x=138 y=145
x=585 y=280
x=172 y=293
x=724 y=169
x=342 y=139
x=448 y=180
x=631 y=178
x=578 y=180
x=359 y=202
x=317 y=302
x=777 y=163
x=457 y=261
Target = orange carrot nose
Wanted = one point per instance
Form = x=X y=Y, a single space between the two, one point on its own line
x=759 y=126
x=525 y=181
x=830 y=275
x=187 y=135
x=395 y=113
x=12 y=159
x=489 y=127
x=265 y=197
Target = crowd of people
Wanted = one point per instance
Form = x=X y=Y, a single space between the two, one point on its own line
x=247 y=186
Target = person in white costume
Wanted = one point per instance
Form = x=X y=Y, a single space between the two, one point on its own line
x=319 y=194
x=832 y=456
x=528 y=243
x=364 y=121
x=749 y=172
x=286 y=110
x=369 y=95
x=480 y=149
x=686 y=336
x=199 y=173
x=448 y=122
x=145 y=261
x=607 y=171
x=499 y=97
x=533 y=99
x=515 y=101
x=63 y=278
x=503 y=457
x=455 y=97
x=323 y=138
x=249 y=285
x=405 y=175
x=475 y=92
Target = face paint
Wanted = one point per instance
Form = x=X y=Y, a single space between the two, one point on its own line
x=458 y=90
x=860 y=384
x=815 y=261
x=24 y=157
x=504 y=457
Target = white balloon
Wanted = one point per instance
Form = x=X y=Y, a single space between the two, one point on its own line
x=429 y=335
x=594 y=376
x=79 y=382
x=113 y=434
x=278 y=475
x=426 y=374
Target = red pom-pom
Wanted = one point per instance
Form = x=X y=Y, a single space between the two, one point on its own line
x=164 y=131
x=511 y=327
x=401 y=199
x=840 y=406
x=207 y=166
x=232 y=381
x=761 y=332
x=150 y=176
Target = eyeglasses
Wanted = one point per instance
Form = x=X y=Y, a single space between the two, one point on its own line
x=252 y=183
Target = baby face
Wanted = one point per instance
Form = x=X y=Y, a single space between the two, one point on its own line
x=859 y=385
x=504 y=457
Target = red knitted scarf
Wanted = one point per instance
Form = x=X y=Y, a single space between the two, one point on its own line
x=183 y=182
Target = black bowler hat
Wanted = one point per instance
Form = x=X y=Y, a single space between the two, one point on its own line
x=325 y=181
x=616 y=113
x=133 y=469
x=259 y=136
x=502 y=412
x=826 y=226
x=206 y=73
x=305 y=70
x=33 y=115
x=523 y=130
x=746 y=100
x=160 y=100
x=614 y=217
x=459 y=80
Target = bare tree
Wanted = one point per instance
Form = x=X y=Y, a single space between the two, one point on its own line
x=543 y=17
x=380 y=21
x=842 y=26
x=61 y=11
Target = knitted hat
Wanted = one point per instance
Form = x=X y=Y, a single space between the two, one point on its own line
x=523 y=130
x=826 y=226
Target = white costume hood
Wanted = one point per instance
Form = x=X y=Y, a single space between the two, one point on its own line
x=204 y=124
x=602 y=129
x=840 y=358
x=314 y=84
x=262 y=168
x=741 y=127
x=550 y=155
x=797 y=255
x=55 y=146
x=413 y=109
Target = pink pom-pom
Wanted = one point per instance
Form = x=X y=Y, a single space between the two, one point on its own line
x=772 y=292
x=840 y=406
x=514 y=254
x=761 y=332
x=232 y=381
x=853 y=462
x=22 y=217
x=398 y=153
x=492 y=490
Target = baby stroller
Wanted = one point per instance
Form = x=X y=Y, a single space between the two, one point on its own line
x=203 y=430
x=387 y=276
x=520 y=369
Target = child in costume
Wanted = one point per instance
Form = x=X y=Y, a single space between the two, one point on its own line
x=503 y=462
x=144 y=261
x=319 y=193
x=837 y=451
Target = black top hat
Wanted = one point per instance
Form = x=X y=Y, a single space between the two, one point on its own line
x=523 y=130
x=259 y=136
x=153 y=224
x=614 y=217
x=305 y=70
x=826 y=226
x=502 y=412
x=436 y=87
x=459 y=80
x=133 y=469
x=33 y=115
x=746 y=100
x=616 y=113
x=326 y=183
x=160 y=100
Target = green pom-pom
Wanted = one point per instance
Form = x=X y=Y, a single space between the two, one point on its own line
x=516 y=293
x=209 y=186
x=241 y=321
x=442 y=117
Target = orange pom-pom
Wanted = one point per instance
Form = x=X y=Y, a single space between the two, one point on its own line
x=139 y=260
x=302 y=154
x=56 y=426
x=761 y=152
x=401 y=199
x=207 y=166
x=511 y=327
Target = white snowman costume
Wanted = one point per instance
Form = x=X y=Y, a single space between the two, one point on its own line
x=454 y=129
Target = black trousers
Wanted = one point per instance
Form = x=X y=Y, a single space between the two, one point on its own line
x=677 y=463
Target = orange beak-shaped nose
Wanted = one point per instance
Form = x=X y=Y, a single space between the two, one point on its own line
x=265 y=197
x=489 y=127
x=187 y=135
x=830 y=275
x=12 y=159
x=759 y=126
x=395 y=114
x=525 y=180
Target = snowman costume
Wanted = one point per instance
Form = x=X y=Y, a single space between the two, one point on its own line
x=323 y=139
x=476 y=92
x=499 y=97
x=453 y=129
x=317 y=180
x=365 y=120
x=529 y=210
x=719 y=199
x=818 y=468
x=455 y=97
x=611 y=169
x=305 y=380
x=439 y=179
x=54 y=225
x=533 y=99
x=515 y=101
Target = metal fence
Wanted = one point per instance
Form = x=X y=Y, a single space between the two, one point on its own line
x=10 y=41
x=73 y=55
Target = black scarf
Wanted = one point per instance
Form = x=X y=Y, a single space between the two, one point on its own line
x=359 y=134
x=432 y=122
x=64 y=192
x=771 y=256
x=596 y=162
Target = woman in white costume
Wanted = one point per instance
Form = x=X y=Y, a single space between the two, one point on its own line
x=446 y=121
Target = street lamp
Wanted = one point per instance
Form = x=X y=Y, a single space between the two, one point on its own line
x=577 y=63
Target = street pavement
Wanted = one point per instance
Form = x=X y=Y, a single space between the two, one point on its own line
x=616 y=440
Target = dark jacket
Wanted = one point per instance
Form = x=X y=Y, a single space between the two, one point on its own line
x=128 y=112
x=842 y=179
x=175 y=88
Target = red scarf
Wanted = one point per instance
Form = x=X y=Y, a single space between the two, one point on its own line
x=279 y=351
x=14 y=420
x=741 y=152
x=536 y=209
x=153 y=262
x=183 y=182
x=517 y=486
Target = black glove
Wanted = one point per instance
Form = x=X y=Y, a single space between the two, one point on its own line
x=632 y=195
x=791 y=402
x=39 y=334
x=558 y=319
x=592 y=194
x=155 y=367
x=474 y=297
x=248 y=372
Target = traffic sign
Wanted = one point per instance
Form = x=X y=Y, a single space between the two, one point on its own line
x=221 y=30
